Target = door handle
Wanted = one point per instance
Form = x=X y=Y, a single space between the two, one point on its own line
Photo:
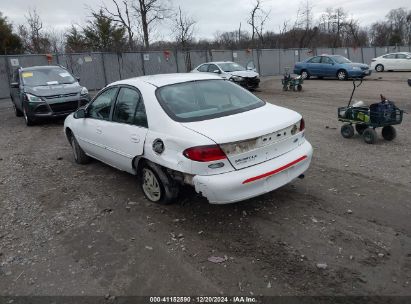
x=99 y=131
x=134 y=138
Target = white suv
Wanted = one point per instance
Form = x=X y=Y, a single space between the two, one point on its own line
x=195 y=129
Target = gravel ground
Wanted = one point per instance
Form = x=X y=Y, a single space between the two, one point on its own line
x=345 y=229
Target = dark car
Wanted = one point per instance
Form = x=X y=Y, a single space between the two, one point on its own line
x=331 y=66
x=46 y=91
x=409 y=82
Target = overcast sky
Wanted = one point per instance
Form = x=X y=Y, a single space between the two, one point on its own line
x=211 y=15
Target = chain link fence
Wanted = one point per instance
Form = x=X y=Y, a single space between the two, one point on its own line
x=99 y=69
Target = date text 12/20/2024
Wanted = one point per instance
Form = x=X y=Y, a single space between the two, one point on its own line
x=204 y=299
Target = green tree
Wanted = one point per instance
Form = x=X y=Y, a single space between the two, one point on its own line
x=75 y=40
x=102 y=34
x=10 y=43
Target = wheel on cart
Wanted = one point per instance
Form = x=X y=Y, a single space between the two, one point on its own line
x=360 y=128
x=370 y=136
x=347 y=130
x=299 y=88
x=388 y=132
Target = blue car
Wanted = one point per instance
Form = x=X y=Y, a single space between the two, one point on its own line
x=331 y=66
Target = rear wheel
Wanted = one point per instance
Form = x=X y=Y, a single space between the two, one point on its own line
x=388 y=133
x=299 y=88
x=342 y=75
x=379 y=68
x=347 y=131
x=305 y=74
x=17 y=112
x=80 y=156
x=370 y=136
x=360 y=128
x=156 y=184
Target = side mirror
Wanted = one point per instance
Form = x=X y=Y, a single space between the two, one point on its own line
x=14 y=85
x=217 y=71
x=78 y=79
x=80 y=113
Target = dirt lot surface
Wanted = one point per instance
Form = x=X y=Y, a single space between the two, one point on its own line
x=67 y=229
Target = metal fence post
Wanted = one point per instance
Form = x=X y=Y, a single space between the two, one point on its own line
x=258 y=60
x=176 y=55
x=142 y=63
x=6 y=58
x=104 y=69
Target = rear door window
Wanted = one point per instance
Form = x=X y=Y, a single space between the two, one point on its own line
x=129 y=108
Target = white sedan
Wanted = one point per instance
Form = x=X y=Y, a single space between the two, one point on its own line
x=195 y=129
x=392 y=62
x=246 y=77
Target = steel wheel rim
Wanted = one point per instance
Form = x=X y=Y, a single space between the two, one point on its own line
x=304 y=75
x=341 y=75
x=151 y=186
x=379 y=68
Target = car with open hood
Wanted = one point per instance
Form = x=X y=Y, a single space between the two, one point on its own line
x=333 y=66
x=41 y=92
x=246 y=77
x=193 y=128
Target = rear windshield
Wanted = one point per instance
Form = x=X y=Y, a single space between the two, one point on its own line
x=45 y=77
x=205 y=99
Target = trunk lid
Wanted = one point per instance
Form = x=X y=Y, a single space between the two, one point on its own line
x=253 y=137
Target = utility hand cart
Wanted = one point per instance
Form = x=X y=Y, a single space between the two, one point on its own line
x=366 y=119
x=292 y=83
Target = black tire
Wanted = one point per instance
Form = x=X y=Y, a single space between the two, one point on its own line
x=27 y=119
x=370 y=136
x=360 y=128
x=379 y=68
x=299 y=88
x=388 y=133
x=156 y=185
x=347 y=131
x=80 y=156
x=285 y=88
x=17 y=112
x=305 y=75
x=342 y=75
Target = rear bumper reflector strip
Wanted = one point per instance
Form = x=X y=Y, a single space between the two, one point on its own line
x=278 y=170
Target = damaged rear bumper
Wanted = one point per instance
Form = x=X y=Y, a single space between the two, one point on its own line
x=250 y=182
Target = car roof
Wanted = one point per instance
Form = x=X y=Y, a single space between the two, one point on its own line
x=161 y=80
x=217 y=62
x=41 y=67
x=405 y=53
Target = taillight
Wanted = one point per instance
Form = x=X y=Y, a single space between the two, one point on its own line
x=302 y=124
x=205 y=153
